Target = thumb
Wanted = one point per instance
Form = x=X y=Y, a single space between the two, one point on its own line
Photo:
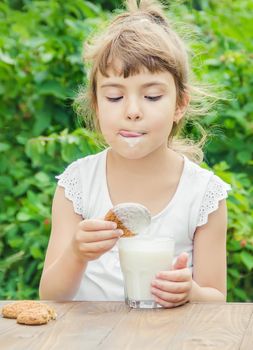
x=181 y=262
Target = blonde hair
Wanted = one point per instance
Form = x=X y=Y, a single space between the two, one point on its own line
x=141 y=37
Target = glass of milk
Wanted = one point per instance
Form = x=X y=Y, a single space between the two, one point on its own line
x=141 y=258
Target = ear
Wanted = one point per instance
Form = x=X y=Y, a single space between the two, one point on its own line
x=181 y=109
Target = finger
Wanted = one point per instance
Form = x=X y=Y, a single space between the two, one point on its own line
x=182 y=275
x=169 y=297
x=167 y=304
x=96 y=236
x=171 y=287
x=181 y=261
x=98 y=247
x=97 y=225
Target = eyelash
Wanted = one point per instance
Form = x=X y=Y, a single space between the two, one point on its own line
x=150 y=98
x=153 y=98
x=114 y=99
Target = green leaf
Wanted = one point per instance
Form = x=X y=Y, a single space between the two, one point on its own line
x=51 y=148
x=247 y=259
x=36 y=252
x=6 y=58
x=21 y=216
x=5 y=182
x=21 y=188
x=4 y=147
x=244 y=156
x=43 y=178
x=241 y=294
x=43 y=120
x=234 y=273
x=53 y=88
x=229 y=283
x=16 y=242
x=10 y=260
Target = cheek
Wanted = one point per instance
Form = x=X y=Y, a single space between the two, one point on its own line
x=106 y=122
x=107 y=114
x=163 y=124
x=107 y=126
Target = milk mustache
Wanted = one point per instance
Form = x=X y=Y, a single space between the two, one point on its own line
x=140 y=259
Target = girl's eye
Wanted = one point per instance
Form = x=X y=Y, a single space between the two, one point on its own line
x=114 y=99
x=153 y=98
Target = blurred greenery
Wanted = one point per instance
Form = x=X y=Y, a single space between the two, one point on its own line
x=40 y=71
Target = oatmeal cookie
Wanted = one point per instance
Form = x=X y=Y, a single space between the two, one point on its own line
x=34 y=316
x=29 y=312
x=12 y=310
x=111 y=216
x=132 y=218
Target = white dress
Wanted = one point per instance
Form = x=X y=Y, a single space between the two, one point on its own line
x=198 y=194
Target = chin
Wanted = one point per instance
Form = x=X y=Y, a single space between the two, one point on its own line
x=133 y=154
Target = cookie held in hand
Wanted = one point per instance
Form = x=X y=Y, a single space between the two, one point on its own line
x=132 y=218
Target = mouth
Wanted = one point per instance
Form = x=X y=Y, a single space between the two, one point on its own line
x=130 y=134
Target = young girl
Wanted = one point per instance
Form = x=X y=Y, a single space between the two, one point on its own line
x=139 y=92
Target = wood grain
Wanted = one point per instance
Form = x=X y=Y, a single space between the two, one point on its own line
x=77 y=324
x=112 y=325
x=147 y=329
x=213 y=326
x=247 y=342
x=15 y=337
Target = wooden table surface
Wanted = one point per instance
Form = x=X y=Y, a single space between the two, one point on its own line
x=112 y=326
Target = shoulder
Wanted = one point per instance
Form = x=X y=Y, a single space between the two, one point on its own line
x=196 y=171
x=204 y=178
x=216 y=191
x=208 y=191
x=71 y=179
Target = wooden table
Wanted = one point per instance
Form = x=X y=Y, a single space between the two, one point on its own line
x=113 y=326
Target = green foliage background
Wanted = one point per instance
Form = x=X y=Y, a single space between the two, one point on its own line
x=40 y=71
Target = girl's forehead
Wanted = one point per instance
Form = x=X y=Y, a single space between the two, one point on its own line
x=130 y=65
x=144 y=76
x=117 y=67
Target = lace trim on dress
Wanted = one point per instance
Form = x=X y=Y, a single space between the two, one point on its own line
x=70 y=181
x=216 y=191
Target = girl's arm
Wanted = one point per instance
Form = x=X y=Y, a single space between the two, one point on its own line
x=209 y=258
x=176 y=287
x=73 y=242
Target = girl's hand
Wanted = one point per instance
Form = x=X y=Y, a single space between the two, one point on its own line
x=93 y=238
x=172 y=288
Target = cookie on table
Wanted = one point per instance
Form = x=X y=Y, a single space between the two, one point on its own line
x=12 y=310
x=131 y=218
x=51 y=312
x=37 y=316
x=29 y=312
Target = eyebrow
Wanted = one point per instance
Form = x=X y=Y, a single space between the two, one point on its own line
x=152 y=83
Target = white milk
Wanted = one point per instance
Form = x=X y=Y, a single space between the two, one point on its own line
x=140 y=260
x=132 y=141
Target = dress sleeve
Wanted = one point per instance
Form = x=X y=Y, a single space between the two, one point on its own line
x=70 y=180
x=216 y=191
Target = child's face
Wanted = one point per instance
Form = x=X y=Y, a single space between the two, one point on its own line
x=136 y=114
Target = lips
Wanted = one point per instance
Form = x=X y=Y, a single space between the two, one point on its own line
x=126 y=133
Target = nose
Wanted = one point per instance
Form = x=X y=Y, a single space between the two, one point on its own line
x=133 y=111
x=133 y=116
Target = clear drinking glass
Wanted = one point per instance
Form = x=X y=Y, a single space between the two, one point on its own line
x=140 y=260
